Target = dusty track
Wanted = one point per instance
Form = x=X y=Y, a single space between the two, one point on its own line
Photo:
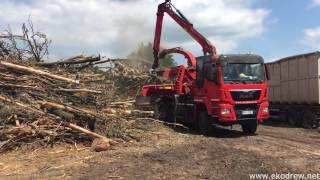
x=164 y=153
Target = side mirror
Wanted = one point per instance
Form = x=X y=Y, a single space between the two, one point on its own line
x=267 y=72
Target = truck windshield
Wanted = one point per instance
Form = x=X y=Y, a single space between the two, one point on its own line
x=240 y=73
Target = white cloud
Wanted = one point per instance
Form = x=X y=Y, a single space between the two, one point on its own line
x=316 y=2
x=312 y=38
x=115 y=27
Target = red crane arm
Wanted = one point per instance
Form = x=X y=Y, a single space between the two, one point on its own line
x=176 y=15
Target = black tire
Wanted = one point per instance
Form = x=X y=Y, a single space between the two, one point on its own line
x=165 y=111
x=189 y=121
x=194 y=126
x=250 y=127
x=291 y=119
x=203 y=123
x=294 y=118
x=310 y=120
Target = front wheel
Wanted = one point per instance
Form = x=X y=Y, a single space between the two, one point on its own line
x=250 y=127
x=204 y=125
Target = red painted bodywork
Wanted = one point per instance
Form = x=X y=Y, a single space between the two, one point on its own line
x=213 y=96
x=167 y=7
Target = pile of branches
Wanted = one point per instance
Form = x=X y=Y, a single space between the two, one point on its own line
x=119 y=72
x=130 y=80
x=79 y=99
x=50 y=105
x=54 y=102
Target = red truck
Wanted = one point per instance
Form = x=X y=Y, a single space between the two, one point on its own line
x=211 y=89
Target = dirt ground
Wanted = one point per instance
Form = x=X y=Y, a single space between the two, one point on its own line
x=161 y=152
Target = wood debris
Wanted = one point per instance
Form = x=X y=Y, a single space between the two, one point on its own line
x=54 y=102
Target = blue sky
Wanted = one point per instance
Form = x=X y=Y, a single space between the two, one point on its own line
x=114 y=28
x=284 y=36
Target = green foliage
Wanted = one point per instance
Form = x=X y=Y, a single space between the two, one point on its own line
x=145 y=52
x=168 y=61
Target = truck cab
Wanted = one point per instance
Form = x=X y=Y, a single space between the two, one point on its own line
x=233 y=89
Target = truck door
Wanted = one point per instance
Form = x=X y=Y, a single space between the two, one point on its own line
x=211 y=86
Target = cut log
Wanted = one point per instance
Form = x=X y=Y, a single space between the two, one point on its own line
x=142 y=112
x=109 y=60
x=17 y=86
x=67 y=124
x=78 y=90
x=101 y=62
x=75 y=60
x=100 y=143
x=5 y=99
x=74 y=57
x=85 y=131
x=51 y=105
x=16 y=120
x=124 y=102
x=36 y=71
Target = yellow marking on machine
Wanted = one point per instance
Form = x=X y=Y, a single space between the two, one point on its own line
x=166 y=86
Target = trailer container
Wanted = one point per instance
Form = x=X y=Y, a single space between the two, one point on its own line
x=294 y=89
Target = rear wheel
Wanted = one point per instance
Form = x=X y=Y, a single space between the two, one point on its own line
x=294 y=117
x=189 y=121
x=250 y=127
x=310 y=119
x=203 y=123
x=165 y=111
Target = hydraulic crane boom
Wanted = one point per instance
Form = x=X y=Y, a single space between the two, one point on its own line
x=178 y=17
x=212 y=89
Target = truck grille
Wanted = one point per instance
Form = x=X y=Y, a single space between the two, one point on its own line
x=245 y=95
x=239 y=108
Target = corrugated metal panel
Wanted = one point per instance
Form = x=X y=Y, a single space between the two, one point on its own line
x=295 y=79
x=277 y=93
x=293 y=69
x=284 y=95
x=276 y=74
x=303 y=85
x=293 y=91
x=284 y=72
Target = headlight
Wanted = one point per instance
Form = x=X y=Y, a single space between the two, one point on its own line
x=225 y=111
x=265 y=110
